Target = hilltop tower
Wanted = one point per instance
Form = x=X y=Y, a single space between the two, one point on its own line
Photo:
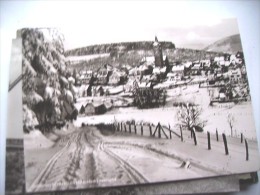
x=157 y=50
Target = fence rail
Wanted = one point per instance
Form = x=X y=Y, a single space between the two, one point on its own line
x=165 y=132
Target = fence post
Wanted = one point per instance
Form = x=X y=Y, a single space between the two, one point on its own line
x=247 y=154
x=121 y=126
x=142 y=130
x=181 y=133
x=135 y=128
x=129 y=127
x=225 y=143
x=150 y=129
x=159 y=130
x=125 y=127
x=118 y=126
x=217 y=134
x=191 y=134
x=209 y=145
x=170 y=132
x=241 y=137
x=194 y=135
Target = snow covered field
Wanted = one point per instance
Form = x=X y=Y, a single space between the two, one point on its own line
x=216 y=116
x=87 y=157
x=86 y=57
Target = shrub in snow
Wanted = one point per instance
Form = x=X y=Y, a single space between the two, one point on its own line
x=189 y=116
x=29 y=118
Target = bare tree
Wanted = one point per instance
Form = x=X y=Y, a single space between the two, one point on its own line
x=189 y=115
x=231 y=122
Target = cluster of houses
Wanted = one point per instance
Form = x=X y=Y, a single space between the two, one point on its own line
x=150 y=68
x=157 y=72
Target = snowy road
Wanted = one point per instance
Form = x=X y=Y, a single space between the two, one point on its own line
x=85 y=160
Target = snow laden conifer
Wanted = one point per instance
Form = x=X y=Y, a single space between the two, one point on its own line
x=44 y=92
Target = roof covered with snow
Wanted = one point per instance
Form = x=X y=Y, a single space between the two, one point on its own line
x=178 y=68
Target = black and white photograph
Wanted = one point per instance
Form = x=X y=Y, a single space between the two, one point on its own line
x=129 y=97
x=164 y=104
x=15 y=173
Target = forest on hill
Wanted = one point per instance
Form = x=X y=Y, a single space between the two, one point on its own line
x=134 y=58
x=116 y=47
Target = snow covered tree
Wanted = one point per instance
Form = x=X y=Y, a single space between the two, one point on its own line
x=44 y=70
x=189 y=115
x=231 y=122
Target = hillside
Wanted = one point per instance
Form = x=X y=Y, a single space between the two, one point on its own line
x=116 y=48
x=133 y=57
x=230 y=44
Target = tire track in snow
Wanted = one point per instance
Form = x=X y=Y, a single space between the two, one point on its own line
x=41 y=179
x=135 y=175
x=132 y=172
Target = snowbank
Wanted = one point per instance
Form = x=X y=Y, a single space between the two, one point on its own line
x=36 y=140
x=29 y=117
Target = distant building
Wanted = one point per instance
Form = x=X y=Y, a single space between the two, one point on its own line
x=103 y=74
x=89 y=109
x=158 y=56
x=235 y=75
x=85 y=76
x=196 y=69
x=135 y=73
x=117 y=77
x=92 y=108
x=177 y=72
x=149 y=61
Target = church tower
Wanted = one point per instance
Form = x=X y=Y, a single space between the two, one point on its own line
x=157 y=50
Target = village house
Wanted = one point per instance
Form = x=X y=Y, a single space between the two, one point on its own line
x=134 y=74
x=243 y=72
x=177 y=73
x=205 y=64
x=150 y=61
x=85 y=76
x=89 y=109
x=98 y=91
x=196 y=69
x=146 y=78
x=159 y=70
x=221 y=61
x=232 y=59
x=170 y=77
x=93 y=108
x=237 y=58
x=103 y=74
x=235 y=75
x=240 y=55
x=117 y=77
x=145 y=69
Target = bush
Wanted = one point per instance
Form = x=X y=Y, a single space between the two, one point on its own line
x=197 y=128
x=106 y=129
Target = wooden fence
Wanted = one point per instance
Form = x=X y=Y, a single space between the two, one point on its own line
x=159 y=130
x=165 y=132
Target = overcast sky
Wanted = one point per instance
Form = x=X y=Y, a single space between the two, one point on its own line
x=187 y=24
x=195 y=37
